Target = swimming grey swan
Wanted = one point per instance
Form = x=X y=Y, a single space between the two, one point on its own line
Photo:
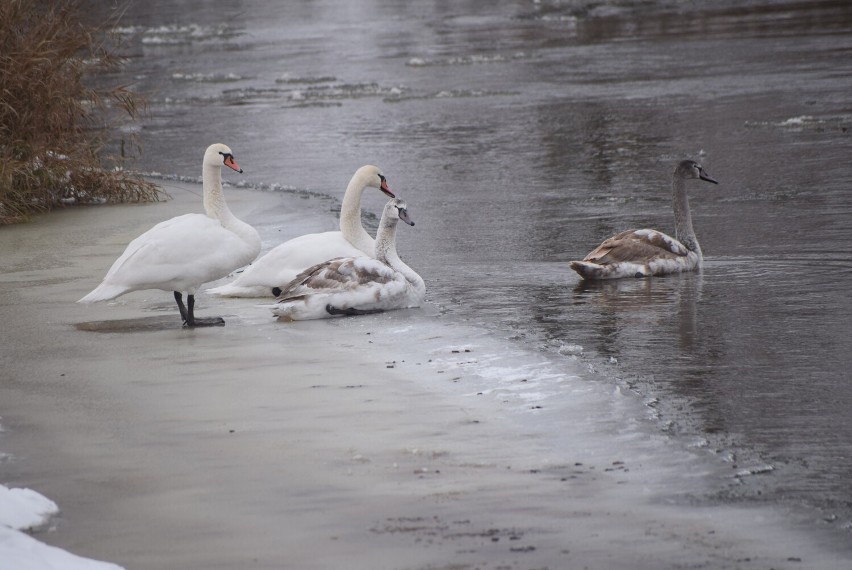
x=641 y=253
x=356 y=285
x=183 y=253
x=281 y=264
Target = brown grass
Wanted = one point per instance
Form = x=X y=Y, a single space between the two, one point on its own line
x=53 y=127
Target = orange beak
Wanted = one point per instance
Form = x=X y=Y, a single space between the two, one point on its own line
x=386 y=190
x=232 y=164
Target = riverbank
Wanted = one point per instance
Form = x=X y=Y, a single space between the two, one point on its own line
x=308 y=445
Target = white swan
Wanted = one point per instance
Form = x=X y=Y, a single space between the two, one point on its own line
x=185 y=252
x=283 y=263
x=640 y=253
x=356 y=285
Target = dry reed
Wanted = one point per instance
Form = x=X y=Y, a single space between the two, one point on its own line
x=53 y=126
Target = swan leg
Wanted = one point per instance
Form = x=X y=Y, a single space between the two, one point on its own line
x=181 y=306
x=350 y=312
x=193 y=322
x=188 y=313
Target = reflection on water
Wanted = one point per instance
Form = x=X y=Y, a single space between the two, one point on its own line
x=742 y=356
x=146 y=324
x=525 y=133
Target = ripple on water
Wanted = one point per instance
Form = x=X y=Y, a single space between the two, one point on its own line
x=474 y=59
x=177 y=34
x=209 y=77
x=805 y=123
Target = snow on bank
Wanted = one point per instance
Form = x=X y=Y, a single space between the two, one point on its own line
x=26 y=509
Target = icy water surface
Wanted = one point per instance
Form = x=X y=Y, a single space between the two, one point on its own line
x=524 y=133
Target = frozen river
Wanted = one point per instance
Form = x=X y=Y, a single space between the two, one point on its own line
x=522 y=134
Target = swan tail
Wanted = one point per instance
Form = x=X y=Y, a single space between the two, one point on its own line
x=301 y=308
x=295 y=311
x=588 y=270
x=231 y=290
x=103 y=292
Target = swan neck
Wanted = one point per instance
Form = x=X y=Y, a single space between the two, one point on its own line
x=682 y=215
x=387 y=254
x=214 y=200
x=350 y=216
x=386 y=242
x=215 y=207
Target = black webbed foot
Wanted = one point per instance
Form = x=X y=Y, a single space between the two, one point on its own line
x=208 y=322
x=350 y=312
x=187 y=313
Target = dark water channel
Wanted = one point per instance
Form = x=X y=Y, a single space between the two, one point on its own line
x=524 y=133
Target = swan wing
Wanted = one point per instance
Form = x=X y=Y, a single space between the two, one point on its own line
x=179 y=254
x=637 y=246
x=342 y=274
x=285 y=262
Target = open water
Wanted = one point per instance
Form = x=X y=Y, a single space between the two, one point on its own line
x=524 y=133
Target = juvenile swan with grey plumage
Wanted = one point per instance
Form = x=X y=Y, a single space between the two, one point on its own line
x=356 y=285
x=183 y=253
x=641 y=253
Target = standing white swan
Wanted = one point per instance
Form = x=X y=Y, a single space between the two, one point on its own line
x=356 y=285
x=640 y=253
x=284 y=262
x=185 y=252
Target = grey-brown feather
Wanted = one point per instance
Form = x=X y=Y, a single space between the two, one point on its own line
x=339 y=274
x=628 y=246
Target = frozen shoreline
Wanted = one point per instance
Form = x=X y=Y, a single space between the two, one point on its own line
x=319 y=445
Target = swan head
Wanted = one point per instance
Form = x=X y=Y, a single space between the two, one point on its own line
x=690 y=169
x=372 y=176
x=396 y=209
x=219 y=154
